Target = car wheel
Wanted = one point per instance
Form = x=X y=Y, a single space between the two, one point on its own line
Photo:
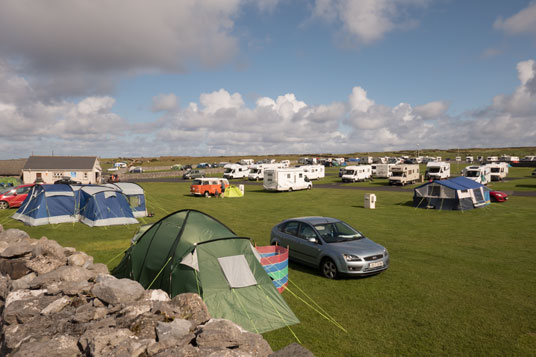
x=328 y=268
x=207 y=194
x=290 y=189
x=4 y=205
x=309 y=187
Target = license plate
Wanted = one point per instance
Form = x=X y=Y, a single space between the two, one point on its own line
x=375 y=264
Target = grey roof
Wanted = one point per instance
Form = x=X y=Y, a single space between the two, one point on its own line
x=314 y=219
x=11 y=167
x=60 y=163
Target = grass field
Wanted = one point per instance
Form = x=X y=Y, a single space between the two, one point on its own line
x=460 y=283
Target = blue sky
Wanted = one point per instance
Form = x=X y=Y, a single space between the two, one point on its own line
x=139 y=78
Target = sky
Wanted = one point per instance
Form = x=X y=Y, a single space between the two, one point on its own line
x=132 y=78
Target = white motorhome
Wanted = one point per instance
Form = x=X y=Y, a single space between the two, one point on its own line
x=382 y=170
x=357 y=173
x=285 y=163
x=404 y=174
x=288 y=179
x=492 y=159
x=480 y=174
x=508 y=158
x=256 y=172
x=499 y=170
x=247 y=162
x=366 y=160
x=437 y=170
x=233 y=171
x=314 y=172
x=469 y=159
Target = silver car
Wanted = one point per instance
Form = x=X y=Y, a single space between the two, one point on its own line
x=331 y=245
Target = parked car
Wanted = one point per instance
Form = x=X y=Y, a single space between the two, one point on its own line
x=207 y=186
x=191 y=174
x=331 y=245
x=498 y=196
x=66 y=181
x=13 y=197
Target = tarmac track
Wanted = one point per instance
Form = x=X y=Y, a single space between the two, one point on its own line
x=336 y=185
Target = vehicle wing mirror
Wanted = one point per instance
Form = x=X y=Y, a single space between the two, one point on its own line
x=312 y=240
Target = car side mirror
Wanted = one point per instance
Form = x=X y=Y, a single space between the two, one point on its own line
x=312 y=240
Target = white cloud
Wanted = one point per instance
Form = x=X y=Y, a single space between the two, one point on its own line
x=432 y=110
x=367 y=20
x=358 y=100
x=221 y=99
x=524 y=22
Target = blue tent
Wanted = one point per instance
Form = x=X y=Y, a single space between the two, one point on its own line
x=104 y=206
x=459 y=193
x=135 y=196
x=48 y=204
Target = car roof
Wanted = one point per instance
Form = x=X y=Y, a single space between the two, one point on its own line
x=313 y=220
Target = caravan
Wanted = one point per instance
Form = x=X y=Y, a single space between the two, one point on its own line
x=256 y=172
x=286 y=180
x=382 y=170
x=314 y=172
x=357 y=173
x=437 y=170
x=404 y=174
x=480 y=174
x=499 y=170
x=233 y=171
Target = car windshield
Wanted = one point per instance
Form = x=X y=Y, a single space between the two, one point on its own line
x=197 y=182
x=472 y=174
x=337 y=232
x=4 y=190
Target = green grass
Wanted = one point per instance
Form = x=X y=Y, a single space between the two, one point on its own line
x=460 y=283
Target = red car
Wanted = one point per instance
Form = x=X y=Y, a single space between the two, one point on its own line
x=13 y=197
x=498 y=196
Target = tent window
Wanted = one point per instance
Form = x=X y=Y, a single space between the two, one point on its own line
x=237 y=271
x=133 y=201
x=434 y=190
x=478 y=195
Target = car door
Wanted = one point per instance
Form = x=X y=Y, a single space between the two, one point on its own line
x=309 y=251
x=22 y=192
x=289 y=238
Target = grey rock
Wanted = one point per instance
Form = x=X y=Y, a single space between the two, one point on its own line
x=17 y=250
x=192 y=308
x=23 y=295
x=62 y=345
x=293 y=350
x=5 y=286
x=70 y=288
x=24 y=282
x=24 y=310
x=157 y=295
x=44 y=264
x=80 y=259
x=97 y=342
x=3 y=245
x=218 y=333
x=49 y=248
x=99 y=268
x=178 y=351
x=170 y=343
x=84 y=313
x=144 y=326
x=63 y=273
x=120 y=291
x=15 y=268
x=136 y=308
x=56 y=306
x=13 y=235
x=175 y=330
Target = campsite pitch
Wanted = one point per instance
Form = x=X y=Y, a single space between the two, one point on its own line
x=460 y=283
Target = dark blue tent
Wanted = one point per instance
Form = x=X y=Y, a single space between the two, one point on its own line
x=459 y=193
x=48 y=204
x=104 y=206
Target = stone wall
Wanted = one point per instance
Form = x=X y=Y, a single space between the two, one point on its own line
x=55 y=301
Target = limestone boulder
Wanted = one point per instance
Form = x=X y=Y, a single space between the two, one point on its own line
x=118 y=291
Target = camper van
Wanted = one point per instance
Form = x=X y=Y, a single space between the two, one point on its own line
x=288 y=179
x=499 y=170
x=469 y=159
x=314 y=172
x=285 y=163
x=357 y=173
x=246 y=162
x=233 y=171
x=208 y=186
x=256 y=172
x=382 y=170
x=480 y=174
x=437 y=170
x=404 y=174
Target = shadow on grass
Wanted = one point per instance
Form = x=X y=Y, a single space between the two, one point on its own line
x=407 y=203
x=526 y=186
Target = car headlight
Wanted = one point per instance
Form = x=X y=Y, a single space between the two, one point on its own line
x=351 y=258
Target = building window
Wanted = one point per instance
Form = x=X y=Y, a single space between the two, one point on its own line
x=58 y=174
x=85 y=175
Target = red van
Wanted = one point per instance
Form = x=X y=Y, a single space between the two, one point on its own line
x=207 y=186
x=13 y=197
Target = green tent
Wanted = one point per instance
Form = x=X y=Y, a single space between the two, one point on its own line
x=233 y=191
x=189 y=251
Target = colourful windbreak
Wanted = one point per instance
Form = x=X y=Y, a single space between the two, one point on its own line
x=274 y=259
